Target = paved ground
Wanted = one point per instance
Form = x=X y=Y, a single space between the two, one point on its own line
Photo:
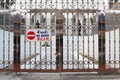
x=56 y=76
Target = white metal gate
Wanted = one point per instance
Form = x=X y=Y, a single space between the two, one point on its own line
x=85 y=36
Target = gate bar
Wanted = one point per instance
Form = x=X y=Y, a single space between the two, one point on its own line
x=101 y=38
x=59 y=41
x=16 y=45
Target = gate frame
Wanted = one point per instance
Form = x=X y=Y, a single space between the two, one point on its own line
x=16 y=64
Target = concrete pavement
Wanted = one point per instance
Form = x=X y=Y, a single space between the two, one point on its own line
x=56 y=76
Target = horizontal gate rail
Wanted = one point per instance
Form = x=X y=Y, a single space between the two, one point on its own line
x=64 y=10
x=101 y=71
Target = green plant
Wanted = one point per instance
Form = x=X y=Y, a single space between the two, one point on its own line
x=45 y=44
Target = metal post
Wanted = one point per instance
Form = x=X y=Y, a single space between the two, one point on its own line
x=101 y=49
x=16 y=45
x=101 y=38
x=59 y=41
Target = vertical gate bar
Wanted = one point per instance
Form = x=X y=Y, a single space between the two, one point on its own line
x=93 y=48
x=20 y=36
x=104 y=42
x=35 y=43
x=72 y=29
x=76 y=17
x=25 y=45
x=88 y=36
x=97 y=4
x=57 y=67
x=30 y=51
x=4 y=40
x=67 y=4
x=51 y=40
x=4 y=5
x=59 y=41
x=41 y=4
x=25 y=51
x=35 y=4
x=83 y=62
x=67 y=34
x=59 y=51
x=30 y=43
x=78 y=56
x=40 y=44
x=8 y=39
x=103 y=48
x=62 y=4
x=51 y=3
x=21 y=5
x=35 y=62
x=101 y=44
x=114 y=25
x=15 y=5
x=25 y=4
x=107 y=40
x=17 y=43
x=40 y=56
x=56 y=32
x=93 y=28
x=77 y=4
x=117 y=51
x=109 y=49
x=45 y=46
x=67 y=41
x=88 y=40
x=35 y=56
x=51 y=27
x=109 y=25
x=119 y=41
x=79 y=27
x=45 y=4
x=73 y=41
x=60 y=37
x=56 y=4
x=1 y=27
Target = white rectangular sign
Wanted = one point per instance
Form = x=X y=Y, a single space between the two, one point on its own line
x=38 y=35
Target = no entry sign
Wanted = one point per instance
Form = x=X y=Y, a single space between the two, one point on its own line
x=38 y=35
x=31 y=35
